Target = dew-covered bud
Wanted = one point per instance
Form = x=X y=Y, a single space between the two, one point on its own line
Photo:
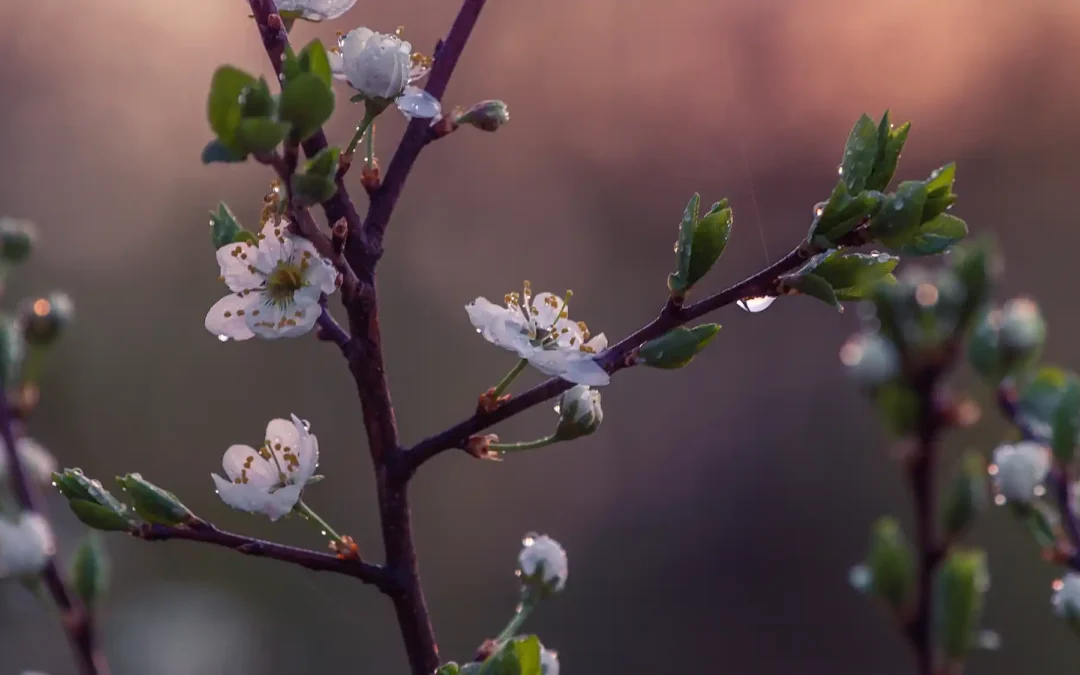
x=542 y=564
x=962 y=583
x=579 y=411
x=549 y=661
x=871 y=360
x=1022 y=329
x=91 y=503
x=1019 y=470
x=17 y=239
x=44 y=319
x=153 y=503
x=485 y=115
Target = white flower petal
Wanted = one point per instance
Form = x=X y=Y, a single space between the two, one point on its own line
x=759 y=304
x=585 y=371
x=375 y=63
x=282 y=435
x=302 y=318
x=244 y=461
x=238 y=269
x=415 y=102
x=549 y=662
x=1020 y=469
x=283 y=500
x=307 y=451
x=547 y=308
x=242 y=497
x=597 y=344
x=229 y=317
x=544 y=556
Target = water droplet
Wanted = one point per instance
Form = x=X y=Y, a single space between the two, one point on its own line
x=529 y=540
x=992 y=469
x=755 y=305
x=323 y=532
x=223 y=338
x=898 y=204
x=860 y=577
x=818 y=211
x=1057 y=585
x=479 y=331
x=840 y=170
x=1000 y=500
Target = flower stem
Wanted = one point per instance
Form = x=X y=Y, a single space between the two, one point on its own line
x=308 y=514
x=521 y=613
x=505 y=382
x=524 y=445
x=369 y=158
x=361 y=129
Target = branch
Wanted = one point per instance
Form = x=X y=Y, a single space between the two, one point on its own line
x=313 y=560
x=613 y=360
x=330 y=330
x=77 y=620
x=418 y=134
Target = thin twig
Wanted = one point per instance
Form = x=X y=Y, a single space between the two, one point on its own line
x=331 y=330
x=375 y=575
x=613 y=360
x=78 y=622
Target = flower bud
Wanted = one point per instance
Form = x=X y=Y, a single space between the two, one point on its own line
x=542 y=564
x=44 y=319
x=1066 y=599
x=485 y=115
x=967 y=496
x=90 y=570
x=549 y=661
x=91 y=503
x=17 y=239
x=1019 y=470
x=1022 y=331
x=891 y=564
x=871 y=360
x=962 y=582
x=579 y=411
x=153 y=503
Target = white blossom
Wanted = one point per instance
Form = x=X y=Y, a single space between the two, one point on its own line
x=580 y=412
x=315 y=10
x=269 y=480
x=543 y=560
x=276 y=286
x=758 y=304
x=1019 y=469
x=1066 y=598
x=539 y=330
x=26 y=545
x=383 y=68
x=37 y=463
x=549 y=661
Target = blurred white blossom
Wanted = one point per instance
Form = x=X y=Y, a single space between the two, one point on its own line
x=540 y=331
x=549 y=661
x=542 y=560
x=1066 y=598
x=315 y=10
x=383 y=68
x=275 y=286
x=269 y=480
x=37 y=463
x=26 y=544
x=1019 y=469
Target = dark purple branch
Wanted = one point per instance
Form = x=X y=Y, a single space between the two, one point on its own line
x=77 y=620
x=613 y=360
x=331 y=330
x=313 y=560
x=418 y=134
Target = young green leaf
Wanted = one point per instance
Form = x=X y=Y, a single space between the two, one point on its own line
x=678 y=281
x=860 y=152
x=890 y=145
x=313 y=59
x=1066 y=422
x=216 y=152
x=260 y=134
x=852 y=275
x=939 y=194
x=814 y=286
x=224 y=227
x=225 y=105
x=900 y=214
x=89 y=571
x=934 y=236
x=967 y=495
x=842 y=213
x=677 y=347
x=710 y=239
x=891 y=564
x=153 y=503
x=306 y=103
x=962 y=582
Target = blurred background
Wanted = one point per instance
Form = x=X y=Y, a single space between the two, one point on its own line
x=712 y=521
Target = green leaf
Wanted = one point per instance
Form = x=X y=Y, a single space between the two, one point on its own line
x=312 y=189
x=899 y=408
x=100 y=517
x=860 y=152
x=260 y=134
x=967 y=495
x=224 y=107
x=939 y=194
x=900 y=214
x=89 y=570
x=217 y=152
x=12 y=349
x=1066 y=422
x=448 y=669
x=77 y=486
x=153 y=503
x=710 y=239
x=518 y=656
x=842 y=213
x=984 y=350
x=679 y=280
x=1040 y=398
x=813 y=286
x=891 y=564
x=932 y=237
x=890 y=145
x=1041 y=522
x=257 y=101
x=324 y=163
x=962 y=583
x=313 y=59
x=852 y=275
x=306 y=103
x=975 y=265
x=677 y=347
x=224 y=228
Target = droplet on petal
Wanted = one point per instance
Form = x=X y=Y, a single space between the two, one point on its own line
x=755 y=305
x=223 y=338
x=416 y=102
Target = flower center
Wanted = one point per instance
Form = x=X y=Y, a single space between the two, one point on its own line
x=283 y=283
